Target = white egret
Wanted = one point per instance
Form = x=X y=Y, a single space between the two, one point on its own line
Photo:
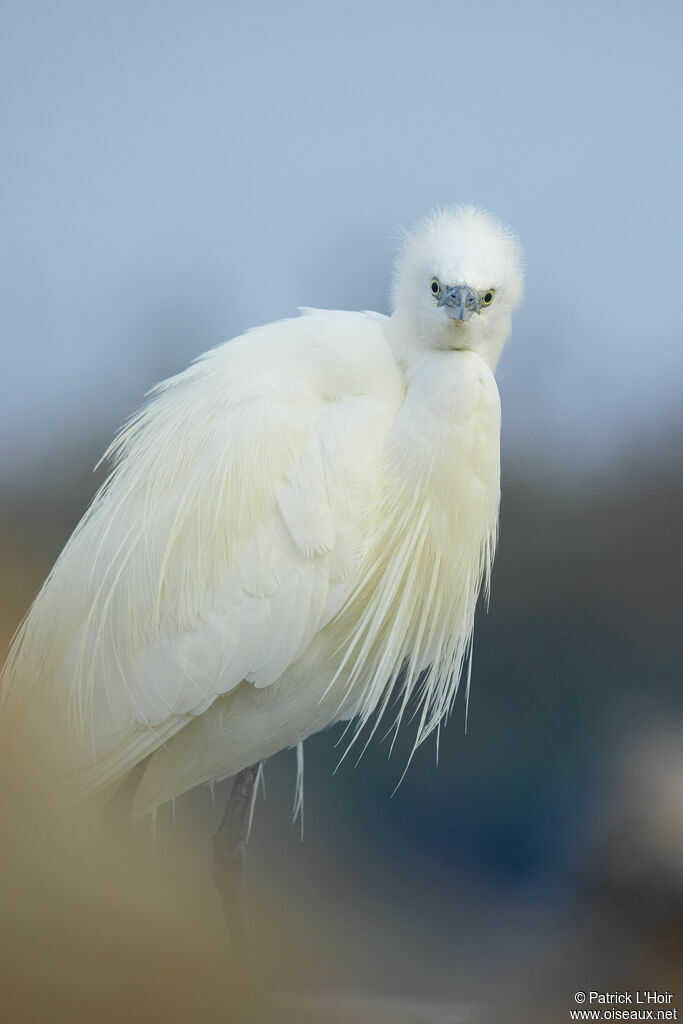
x=296 y=522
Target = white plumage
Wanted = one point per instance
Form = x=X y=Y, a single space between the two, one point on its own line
x=304 y=511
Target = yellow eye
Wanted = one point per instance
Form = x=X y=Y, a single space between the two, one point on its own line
x=487 y=297
x=435 y=286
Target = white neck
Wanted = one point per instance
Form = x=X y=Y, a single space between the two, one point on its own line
x=410 y=346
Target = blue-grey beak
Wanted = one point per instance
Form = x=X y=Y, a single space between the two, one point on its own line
x=459 y=302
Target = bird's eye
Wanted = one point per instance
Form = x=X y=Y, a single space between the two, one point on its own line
x=487 y=297
x=435 y=286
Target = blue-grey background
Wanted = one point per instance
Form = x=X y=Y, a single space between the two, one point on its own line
x=173 y=173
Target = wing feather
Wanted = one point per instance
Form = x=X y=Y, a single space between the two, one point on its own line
x=227 y=534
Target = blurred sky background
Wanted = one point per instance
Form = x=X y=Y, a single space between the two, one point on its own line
x=173 y=173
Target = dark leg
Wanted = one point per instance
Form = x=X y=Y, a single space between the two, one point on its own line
x=117 y=811
x=229 y=845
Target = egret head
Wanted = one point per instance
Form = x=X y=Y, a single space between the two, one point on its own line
x=457 y=280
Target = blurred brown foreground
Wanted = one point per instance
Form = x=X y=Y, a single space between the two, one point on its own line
x=100 y=925
x=97 y=925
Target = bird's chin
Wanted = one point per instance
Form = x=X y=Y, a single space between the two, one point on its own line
x=458 y=335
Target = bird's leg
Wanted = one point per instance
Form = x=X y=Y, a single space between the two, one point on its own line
x=118 y=810
x=229 y=845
